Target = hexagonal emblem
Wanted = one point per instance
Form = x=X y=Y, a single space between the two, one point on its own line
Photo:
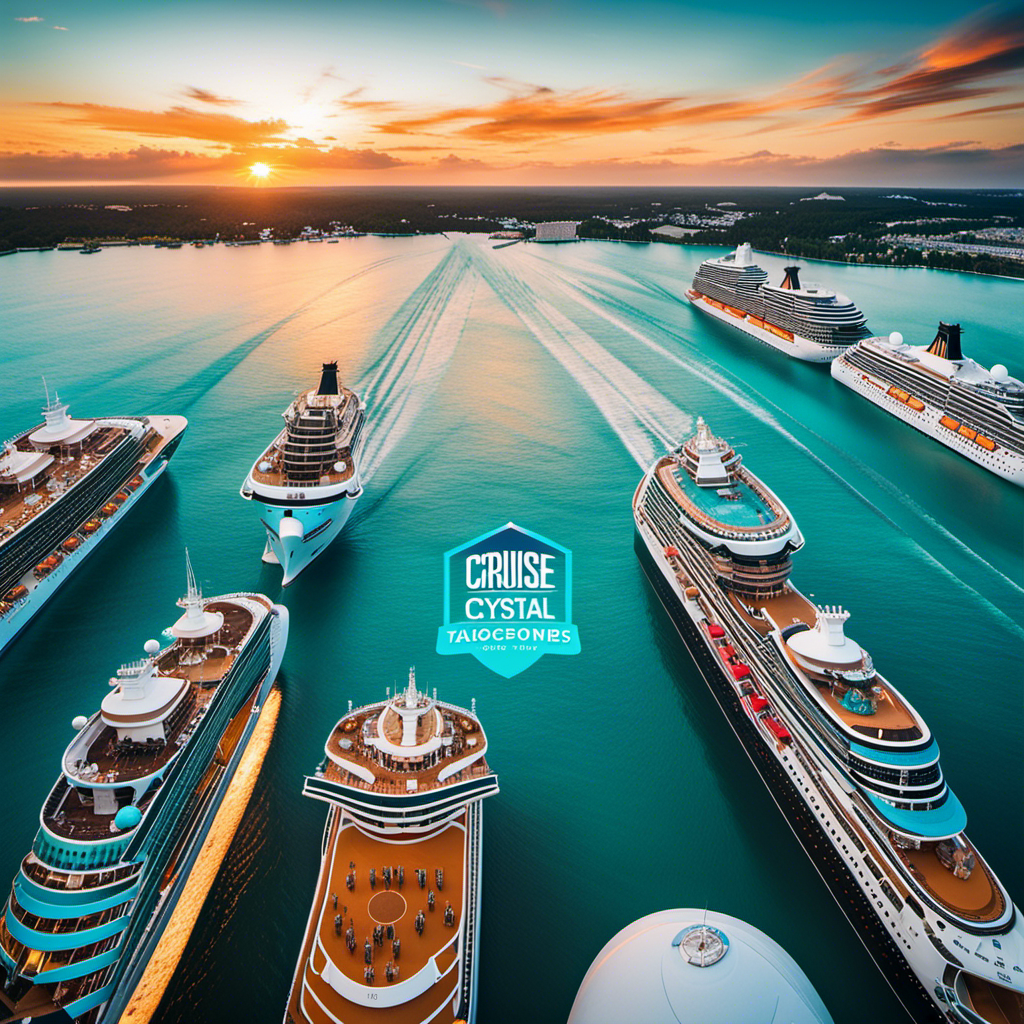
x=508 y=600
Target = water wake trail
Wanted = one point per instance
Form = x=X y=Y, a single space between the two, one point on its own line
x=757 y=406
x=643 y=418
x=421 y=339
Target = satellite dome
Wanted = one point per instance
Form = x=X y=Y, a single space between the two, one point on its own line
x=79 y=722
x=339 y=466
x=152 y=647
x=1000 y=372
x=695 y=967
x=896 y=338
x=127 y=817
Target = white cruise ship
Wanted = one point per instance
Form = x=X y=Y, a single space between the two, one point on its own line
x=307 y=482
x=393 y=935
x=976 y=412
x=805 y=321
x=851 y=764
x=64 y=485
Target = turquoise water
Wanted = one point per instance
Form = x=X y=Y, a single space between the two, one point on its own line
x=526 y=384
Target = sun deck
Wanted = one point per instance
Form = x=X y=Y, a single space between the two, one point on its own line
x=977 y=898
x=19 y=507
x=365 y=908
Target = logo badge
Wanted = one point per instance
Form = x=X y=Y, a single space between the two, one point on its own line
x=508 y=600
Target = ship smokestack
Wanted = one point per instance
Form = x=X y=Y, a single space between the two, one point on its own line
x=792 y=279
x=947 y=342
x=329 y=379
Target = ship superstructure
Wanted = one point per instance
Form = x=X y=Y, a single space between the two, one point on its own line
x=64 y=485
x=138 y=788
x=847 y=758
x=307 y=482
x=395 y=923
x=979 y=413
x=806 y=321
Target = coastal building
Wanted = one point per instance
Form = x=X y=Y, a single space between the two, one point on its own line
x=557 y=231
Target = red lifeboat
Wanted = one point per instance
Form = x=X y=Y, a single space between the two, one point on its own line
x=758 y=703
x=740 y=671
x=778 y=728
x=715 y=630
x=727 y=651
x=672 y=552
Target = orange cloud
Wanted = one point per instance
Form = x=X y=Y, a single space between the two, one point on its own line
x=35 y=17
x=175 y=123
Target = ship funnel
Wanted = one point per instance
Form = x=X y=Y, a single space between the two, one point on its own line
x=830 y=623
x=792 y=279
x=947 y=342
x=329 y=379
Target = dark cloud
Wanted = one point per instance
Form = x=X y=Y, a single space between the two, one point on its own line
x=193 y=92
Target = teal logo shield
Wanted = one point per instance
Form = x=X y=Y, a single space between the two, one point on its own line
x=508 y=600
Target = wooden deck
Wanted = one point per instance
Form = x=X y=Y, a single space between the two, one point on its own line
x=14 y=512
x=363 y=908
x=976 y=898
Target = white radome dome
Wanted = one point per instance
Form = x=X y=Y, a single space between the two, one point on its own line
x=657 y=971
x=79 y=722
x=896 y=338
x=152 y=647
x=1000 y=372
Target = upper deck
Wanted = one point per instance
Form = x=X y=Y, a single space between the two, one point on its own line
x=742 y=509
x=366 y=748
x=20 y=506
x=110 y=759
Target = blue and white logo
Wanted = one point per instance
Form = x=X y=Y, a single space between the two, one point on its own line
x=508 y=600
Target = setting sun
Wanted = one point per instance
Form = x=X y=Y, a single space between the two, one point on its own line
x=259 y=170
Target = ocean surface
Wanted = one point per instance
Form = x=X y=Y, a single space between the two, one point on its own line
x=532 y=384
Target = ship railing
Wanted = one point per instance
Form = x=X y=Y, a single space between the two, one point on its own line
x=62 y=925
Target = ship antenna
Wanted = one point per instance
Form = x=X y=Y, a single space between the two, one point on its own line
x=46 y=388
x=194 y=593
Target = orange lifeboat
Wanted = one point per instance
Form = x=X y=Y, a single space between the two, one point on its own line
x=120 y=497
x=692 y=592
x=985 y=443
x=966 y=431
x=108 y=510
x=671 y=552
x=71 y=544
x=136 y=481
x=916 y=404
x=91 y=526
x=16 y=594
x=949 y=423
x=47 y=565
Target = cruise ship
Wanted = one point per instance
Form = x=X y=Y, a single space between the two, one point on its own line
x=695 y=967
x=307 y=482
x=64 y=485
x=976 y=412
x=393 y=932
x=137 y=791
x=849 y=761
x=805 y=321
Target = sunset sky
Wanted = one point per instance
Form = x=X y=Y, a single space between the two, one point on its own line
x=512 y=92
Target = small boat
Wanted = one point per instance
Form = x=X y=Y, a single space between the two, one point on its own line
x=120 y=497
x=91 y=526
x=778 y=728
x=758 y=703
x=692 y=592
x=71 y=544
x=739 y=670
x=671 y=552
x=16 y=594
x=108 y=510
x=715 y=630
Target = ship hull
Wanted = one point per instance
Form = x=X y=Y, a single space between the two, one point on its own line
x=805 y=825
x=799 y=348
x=40 y=591
x=1003 y=462
x=296 y=535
